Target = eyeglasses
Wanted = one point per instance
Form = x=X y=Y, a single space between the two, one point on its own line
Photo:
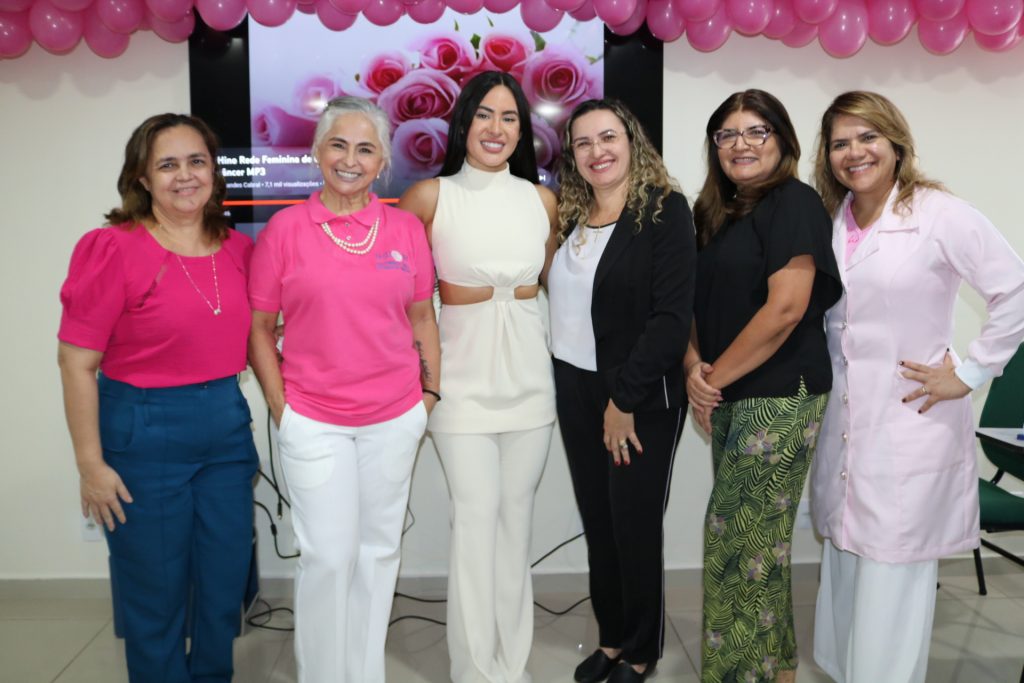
x=606 y=138
x=755 y=136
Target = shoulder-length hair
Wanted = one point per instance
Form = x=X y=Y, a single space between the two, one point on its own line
x=882 y=115
x=648 y=177
x=721 y=200
x=523 y=162
x=136 y=201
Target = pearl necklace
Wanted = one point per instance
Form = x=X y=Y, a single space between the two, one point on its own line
x=357 y=248
x=216 y=287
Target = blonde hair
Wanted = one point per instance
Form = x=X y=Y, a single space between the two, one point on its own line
x=889 y=121
x=647 y=172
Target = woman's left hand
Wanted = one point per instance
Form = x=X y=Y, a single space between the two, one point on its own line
x=619 y=433
x=937 y=383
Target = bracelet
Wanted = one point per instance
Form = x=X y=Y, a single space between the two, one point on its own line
x=432 y=393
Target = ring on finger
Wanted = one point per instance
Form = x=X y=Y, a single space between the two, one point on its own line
x=924 y=390
x=623 y=444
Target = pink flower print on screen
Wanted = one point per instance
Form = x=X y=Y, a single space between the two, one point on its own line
x=419 y=94
x=274 y=127
x=417 y=148
x=505 y=52
x=556 y=79
x=383 y=70
x=448 y=53
x=312 y=95
x=545 y=142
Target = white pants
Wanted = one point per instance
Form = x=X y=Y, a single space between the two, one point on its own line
x=492 y=479
x=349 y=488
x=873 y=621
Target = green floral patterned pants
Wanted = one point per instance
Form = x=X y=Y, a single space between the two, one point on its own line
x=761 y=450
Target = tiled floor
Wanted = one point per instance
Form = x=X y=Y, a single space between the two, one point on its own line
x=976 y=639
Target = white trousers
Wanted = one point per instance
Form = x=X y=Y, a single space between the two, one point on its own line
x=492 y=479
x=349 y=488
x=873 y=621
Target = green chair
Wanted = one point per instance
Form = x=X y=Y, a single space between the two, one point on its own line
x=1000 y=509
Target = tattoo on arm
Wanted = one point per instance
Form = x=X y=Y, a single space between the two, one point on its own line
x=424 y=368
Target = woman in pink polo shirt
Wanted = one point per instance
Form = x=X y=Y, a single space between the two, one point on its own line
x=156 y=302
x=353 y=279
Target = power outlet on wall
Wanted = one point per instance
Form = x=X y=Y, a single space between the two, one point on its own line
x=91 y=531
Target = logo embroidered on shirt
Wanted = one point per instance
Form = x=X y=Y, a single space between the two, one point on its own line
x=392 y=260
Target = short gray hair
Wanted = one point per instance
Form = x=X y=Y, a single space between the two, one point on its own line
x=340 y=106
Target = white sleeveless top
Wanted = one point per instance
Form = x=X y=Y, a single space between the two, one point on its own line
x=489 y=229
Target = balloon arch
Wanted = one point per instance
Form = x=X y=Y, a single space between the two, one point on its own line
x=841 y=26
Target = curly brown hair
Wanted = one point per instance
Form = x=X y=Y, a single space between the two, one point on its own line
x=136 y=201
x=647 y=173
x=889 y=121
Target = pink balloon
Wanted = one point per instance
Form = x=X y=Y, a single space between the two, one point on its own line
x=1001 y=43
x=664 y=22
x=71 y=5
x=383 y=12
x=889 y=21
x=222 y=15
x=814 y=11
x=844 y=33
x=697 y=10
x=101 y=39
x=306 y=8
x=710 y=34
x=427 y=11
x=942 y=37
x=15 y=34
x=497 y=6
x=171 y=11
x=271 y=12
x=939 y=10
x=14 y=6
x=631 y=25
x=57 y=30
x=566 y=5
x=349 y=6
x=994 y=17
x=613 y=12
x=586 y=11
x=539 y=16
x=749 y=17
x=466 y=6
x=783 y=20
x=333 y=18
x=802 y=34
x=120 y=16
x=172 y=31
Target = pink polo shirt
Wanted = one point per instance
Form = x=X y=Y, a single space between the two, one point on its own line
x=127 y=296
x=348 y=347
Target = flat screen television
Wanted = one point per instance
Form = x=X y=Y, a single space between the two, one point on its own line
x=262 y=89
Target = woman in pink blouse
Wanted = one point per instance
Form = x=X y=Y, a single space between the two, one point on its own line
x=156 y=301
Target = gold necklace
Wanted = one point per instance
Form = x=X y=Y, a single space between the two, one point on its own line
x=216 y=287
x=357 y=248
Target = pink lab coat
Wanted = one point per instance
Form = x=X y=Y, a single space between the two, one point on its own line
x=887 y=482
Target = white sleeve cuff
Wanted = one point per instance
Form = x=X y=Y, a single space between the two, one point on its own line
x=973 y=374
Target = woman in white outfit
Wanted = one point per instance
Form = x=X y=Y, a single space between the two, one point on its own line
x=489 y=224
x=895 y=483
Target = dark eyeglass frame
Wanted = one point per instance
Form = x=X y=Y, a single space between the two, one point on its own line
x=755 y=136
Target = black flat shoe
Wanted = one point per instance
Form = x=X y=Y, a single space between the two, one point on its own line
x=595 y=668
x=625 y=673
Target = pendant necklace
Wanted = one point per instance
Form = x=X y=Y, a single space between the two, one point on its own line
x=213 y=264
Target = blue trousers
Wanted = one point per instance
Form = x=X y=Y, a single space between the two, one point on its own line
x=187 y=457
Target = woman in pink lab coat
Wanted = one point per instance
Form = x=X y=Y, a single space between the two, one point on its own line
x=895 y=483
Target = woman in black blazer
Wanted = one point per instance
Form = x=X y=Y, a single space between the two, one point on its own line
x=621 y=288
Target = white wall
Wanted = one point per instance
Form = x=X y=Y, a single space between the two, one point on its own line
x=63 y=124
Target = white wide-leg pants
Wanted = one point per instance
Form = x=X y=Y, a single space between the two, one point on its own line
x=873 y=621
x=492 y=479
x=349 y=488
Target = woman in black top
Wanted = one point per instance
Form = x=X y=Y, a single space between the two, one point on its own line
x=758 y=377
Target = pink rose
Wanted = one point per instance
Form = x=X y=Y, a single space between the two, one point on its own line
x=313 y=94
x=505 y=52
x=558 y=79
x=546 y=144
x=450 y=54
x=381 y=71
x=274 y=127
x=417 y=148
x=419 y=94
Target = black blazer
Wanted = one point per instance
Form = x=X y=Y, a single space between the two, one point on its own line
x=642 y=307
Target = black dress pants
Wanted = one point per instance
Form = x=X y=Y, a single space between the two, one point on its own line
x=623 y=510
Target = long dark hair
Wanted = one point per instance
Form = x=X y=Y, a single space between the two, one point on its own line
x=720 y=200
x=523 y=162
x=136 y=201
